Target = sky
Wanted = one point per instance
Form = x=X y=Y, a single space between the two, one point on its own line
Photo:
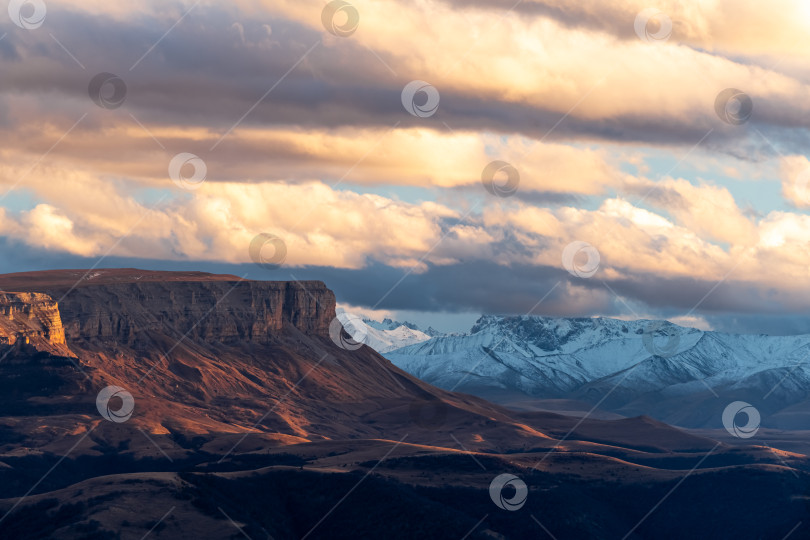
x=428 y=160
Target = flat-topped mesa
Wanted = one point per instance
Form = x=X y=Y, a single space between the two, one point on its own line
x=118 y=305
x=29 y=318
x=212 y=311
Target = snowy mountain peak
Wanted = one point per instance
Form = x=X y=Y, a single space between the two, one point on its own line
x=672 y=373
x=382 y=336
x=551 y=334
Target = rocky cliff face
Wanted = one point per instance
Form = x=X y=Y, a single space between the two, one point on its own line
x=31 y=319
x=211 y=311
x=120 y=306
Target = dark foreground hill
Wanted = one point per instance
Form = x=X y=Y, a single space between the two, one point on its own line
x=235 y=414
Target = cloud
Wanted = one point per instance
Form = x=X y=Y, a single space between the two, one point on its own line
x=795 y=172
x=320 y=226
x=534 y=76
x=45 y=226
x=707 y=210
x=373 y=314
x=691 y=321
x=707 y=25
x=368 y=156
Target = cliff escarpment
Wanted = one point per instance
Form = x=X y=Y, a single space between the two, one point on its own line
x=118 y=305
x=31 y=320
x=219 y=311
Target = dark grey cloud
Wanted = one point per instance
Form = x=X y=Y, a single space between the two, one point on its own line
x=208 y=71
x=548 y=198
x=772 y=324
x=612 y=17
x=682 y=295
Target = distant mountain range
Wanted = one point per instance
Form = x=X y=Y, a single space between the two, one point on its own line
x=682 y=376
x=388 y=335
x=389 y=325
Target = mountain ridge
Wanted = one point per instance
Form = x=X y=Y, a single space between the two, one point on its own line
x=627 y=367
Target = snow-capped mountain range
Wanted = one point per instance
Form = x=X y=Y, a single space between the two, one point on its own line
x=384 y=336
x=683 y=376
